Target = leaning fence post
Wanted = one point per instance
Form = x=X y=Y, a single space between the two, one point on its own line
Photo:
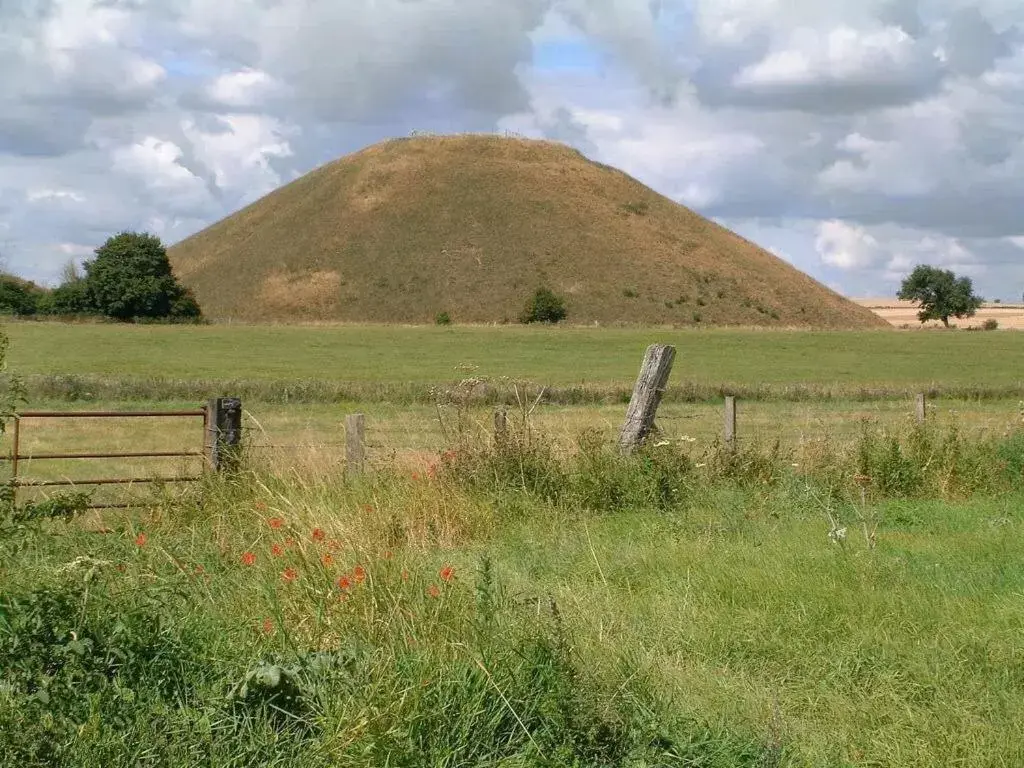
x=650 y=385
x=224 y=433
x=920 y=408
x=355 y=445
x=730 y=421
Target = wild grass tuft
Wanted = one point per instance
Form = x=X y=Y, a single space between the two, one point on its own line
x=522 y=604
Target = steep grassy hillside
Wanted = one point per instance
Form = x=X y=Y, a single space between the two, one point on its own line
x=472 y=225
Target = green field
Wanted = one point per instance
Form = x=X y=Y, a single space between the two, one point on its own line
x=687 y=606
x=621 y=622
x=557 y=356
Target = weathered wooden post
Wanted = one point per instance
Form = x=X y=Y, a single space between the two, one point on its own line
x=224 y=434
x=730 y=422
x=355 y=445
x=919 y=408
x=650 y=386
x=500 y=427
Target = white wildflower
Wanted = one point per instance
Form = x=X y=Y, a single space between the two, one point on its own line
x=837 y=535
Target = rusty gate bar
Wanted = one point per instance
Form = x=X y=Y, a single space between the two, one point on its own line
x=140 y=455
x=16 y=455
x=108 y=481
x=107 y=414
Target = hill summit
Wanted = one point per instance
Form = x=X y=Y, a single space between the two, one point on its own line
x=472 y=226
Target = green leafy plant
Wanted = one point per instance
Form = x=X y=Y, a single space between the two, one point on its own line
x=129 y=279
x=19 y=297
x=543 y=307
x=442 y=318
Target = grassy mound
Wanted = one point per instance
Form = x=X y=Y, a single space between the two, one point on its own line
x=472 y=226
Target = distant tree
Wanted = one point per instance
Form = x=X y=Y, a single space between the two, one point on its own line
x=543 y=307
x=19 y=297
x=940 y=294
x=131 y=279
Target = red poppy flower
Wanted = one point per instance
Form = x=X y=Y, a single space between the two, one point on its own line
x=318 y=534
x=328 y=559
x=140 y=540
x=416 y=476
x=434 y=591
x=248 y=558
x=268 y=626
x=359 y=574
x=275 y=522
x=344 y=583
x=447 y=573
x=368 y=509
x=277 y=550
x=289 y=574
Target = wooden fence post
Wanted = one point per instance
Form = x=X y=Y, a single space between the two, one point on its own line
x=355 y=443
x=730 y=422
x=650 y=385
x=224 y=433
x=500 y=427
x=919 y=408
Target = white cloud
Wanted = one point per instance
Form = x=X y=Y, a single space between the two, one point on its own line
x=855 y=138
x=847 y=247
x=37 y=195
x=839 y=54
x=244 y=88
x=240 y=156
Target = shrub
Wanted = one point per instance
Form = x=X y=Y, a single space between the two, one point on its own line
x=19 y=297
x=543 y=307
x=70 y=298
x=131 y=279
x=442 y=318
x=990 y=324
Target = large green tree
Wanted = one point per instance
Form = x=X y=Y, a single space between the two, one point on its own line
x=131 y=279
x=940 y=294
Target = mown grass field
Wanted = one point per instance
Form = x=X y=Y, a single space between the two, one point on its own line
x=375 y=358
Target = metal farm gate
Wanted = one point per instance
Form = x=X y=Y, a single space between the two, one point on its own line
x=221 y=436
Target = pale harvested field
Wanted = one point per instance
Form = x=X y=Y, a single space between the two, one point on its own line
x=899 y=313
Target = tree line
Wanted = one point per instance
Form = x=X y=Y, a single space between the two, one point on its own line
x=129 y=279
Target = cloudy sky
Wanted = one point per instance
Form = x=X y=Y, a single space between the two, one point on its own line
x=854 y=139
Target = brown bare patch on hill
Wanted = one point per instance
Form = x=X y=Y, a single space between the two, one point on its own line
x=305 y=295
x=472 y=225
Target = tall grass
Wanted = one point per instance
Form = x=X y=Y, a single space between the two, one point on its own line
x=522 y=605
x=111 y=387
